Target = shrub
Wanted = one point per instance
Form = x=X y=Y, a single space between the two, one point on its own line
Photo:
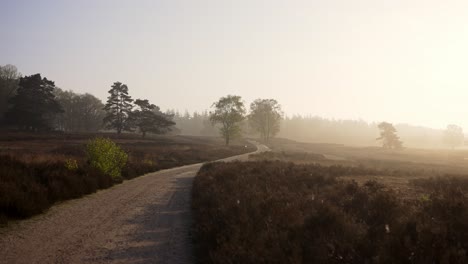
x=34 y=171
x=278 y=212
x=71 y=164
x=105 y=155
x=27 y=189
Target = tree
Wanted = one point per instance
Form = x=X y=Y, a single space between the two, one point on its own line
x=265 y=116
x=229 y=111
x=82 y=112
x=92 y=112
x=389 y=137
x=34 y=105
x=9 y=77
x=118 y=107
x=148 y=118
x=453 y=136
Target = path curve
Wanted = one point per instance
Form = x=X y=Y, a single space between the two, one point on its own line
x=143 y=220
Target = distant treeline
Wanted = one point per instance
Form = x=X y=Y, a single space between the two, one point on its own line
x=355 y=132
x=33 y=103
x=53 y=108
x=318 y=130
x=195 y=124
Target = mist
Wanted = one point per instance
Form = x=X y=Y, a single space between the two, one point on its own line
x=398 y=61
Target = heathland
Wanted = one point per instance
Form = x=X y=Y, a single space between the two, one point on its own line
x=38 y=170
x=328 y=203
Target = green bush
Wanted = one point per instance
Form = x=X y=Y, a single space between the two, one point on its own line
x=71 y=164
x=104 y=155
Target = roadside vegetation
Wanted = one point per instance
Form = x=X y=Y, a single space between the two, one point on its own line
x=281 y=212
x=38 y=170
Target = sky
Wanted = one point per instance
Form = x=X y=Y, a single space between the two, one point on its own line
x=401 y=61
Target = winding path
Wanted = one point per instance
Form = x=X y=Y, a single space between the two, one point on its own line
x=144 y=220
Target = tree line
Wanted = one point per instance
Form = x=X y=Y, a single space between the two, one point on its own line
x=34 y=103
x=360 y=133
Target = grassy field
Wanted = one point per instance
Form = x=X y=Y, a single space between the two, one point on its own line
x=34 y=172
x=400 y=167
x=319 y=203
x=445 y=160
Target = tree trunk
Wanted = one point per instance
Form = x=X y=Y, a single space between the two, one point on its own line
x=227 y=140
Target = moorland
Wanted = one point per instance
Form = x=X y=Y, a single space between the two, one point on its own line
x=329 y=203
x=38 y=170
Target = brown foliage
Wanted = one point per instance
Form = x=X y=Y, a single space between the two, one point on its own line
x=34 y=173
x=278 y=212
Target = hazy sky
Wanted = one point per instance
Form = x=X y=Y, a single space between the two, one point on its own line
x=395 y=60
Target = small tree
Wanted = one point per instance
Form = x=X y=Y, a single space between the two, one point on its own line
x=118 y=107
x=34 y=105
x=265 y=116
x=453 y=136
x=148 y=118
x=389 y=137
x=104 y=155
x=229 y=111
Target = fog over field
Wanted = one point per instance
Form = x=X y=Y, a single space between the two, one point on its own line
x=234 y=131
x=395 y=61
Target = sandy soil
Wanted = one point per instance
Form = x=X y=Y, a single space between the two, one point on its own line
x=144 y=220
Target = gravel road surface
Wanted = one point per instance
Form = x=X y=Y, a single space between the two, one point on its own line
x=144 y=220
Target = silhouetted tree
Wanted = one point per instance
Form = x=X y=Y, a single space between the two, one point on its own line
x=389 y=137
x=453 y=136
x=149 y=119
x=34 y=105
x=82 y=112
x=229 y=111
x=118 y=107
x=265 y=116
x=9 y=77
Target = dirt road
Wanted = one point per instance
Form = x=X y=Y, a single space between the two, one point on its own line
x=144 y=220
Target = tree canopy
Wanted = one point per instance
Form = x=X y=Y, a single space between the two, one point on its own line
x=9 y=78
x=82 y=112
x=265 y=117
x=388 y=135
x=148 y=119
x=453 y=136
x=118 y=107
x=34 y=105
x=228 y=111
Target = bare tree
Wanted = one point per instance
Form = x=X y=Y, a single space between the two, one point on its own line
x=82 y=112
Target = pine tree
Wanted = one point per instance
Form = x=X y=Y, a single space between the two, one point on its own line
x=118 y=107
x=34 y=106
x=389 y=137
x=149 y=119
